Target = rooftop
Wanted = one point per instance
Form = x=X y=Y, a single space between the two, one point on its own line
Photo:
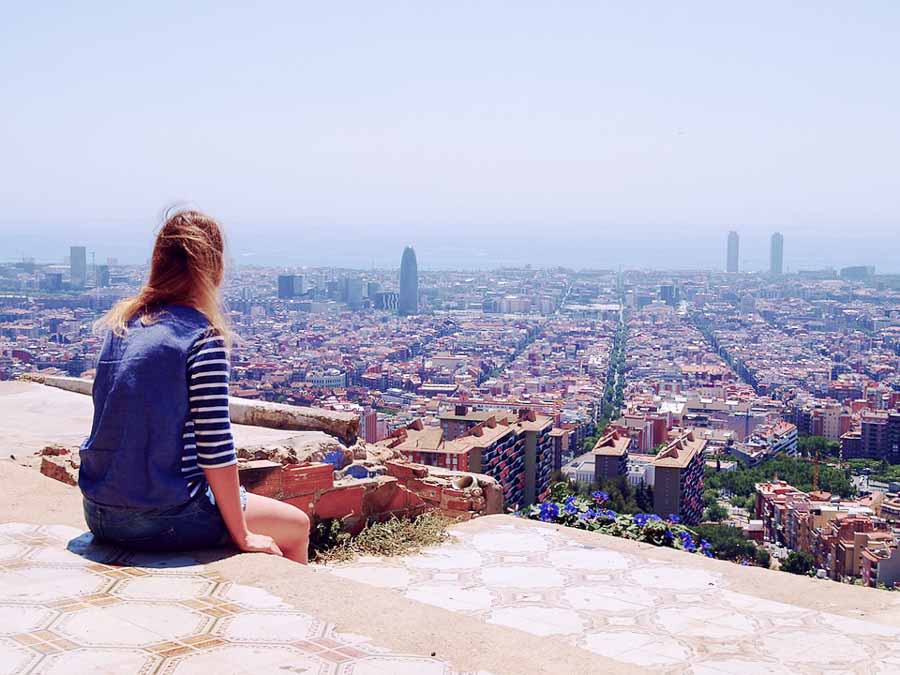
x=612 y=445
x=578 y=602
x=679 y=452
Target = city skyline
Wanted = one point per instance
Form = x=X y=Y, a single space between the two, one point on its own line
x=812 y=253
x=605 y=135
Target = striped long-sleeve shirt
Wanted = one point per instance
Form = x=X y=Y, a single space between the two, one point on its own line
x=208 y=443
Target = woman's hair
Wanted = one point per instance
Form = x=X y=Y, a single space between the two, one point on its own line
x=186 y=269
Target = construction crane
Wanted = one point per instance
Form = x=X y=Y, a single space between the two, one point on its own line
x=815 y=480
x=815 y=461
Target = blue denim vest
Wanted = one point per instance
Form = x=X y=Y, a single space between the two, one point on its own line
x=133 y=455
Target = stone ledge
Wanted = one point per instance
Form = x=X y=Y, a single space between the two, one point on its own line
x=344 y=426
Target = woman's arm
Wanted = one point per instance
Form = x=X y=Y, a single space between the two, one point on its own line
x=226 y=489
x=208 y=398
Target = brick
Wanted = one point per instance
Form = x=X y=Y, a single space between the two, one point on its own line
x=453 y=492
x=262 y=477
x=426 y=491
x=456 y=504
x=340 y=502
x=388 y=500
x=379 y=496
x=60 y=469
x=406 y=470
x=55 y=451
x=306 y=479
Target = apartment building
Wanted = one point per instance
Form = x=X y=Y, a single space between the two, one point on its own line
x=515 y=449
x=845 y=539
x=678 y=478
x=611 y=456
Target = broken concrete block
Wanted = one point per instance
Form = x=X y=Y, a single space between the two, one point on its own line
x=63 y=469
x=55 y=451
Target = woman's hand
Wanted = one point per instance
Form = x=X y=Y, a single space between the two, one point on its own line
x=258 y=543
x=227 y=491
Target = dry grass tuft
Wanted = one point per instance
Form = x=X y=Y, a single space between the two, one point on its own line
x=398 y=536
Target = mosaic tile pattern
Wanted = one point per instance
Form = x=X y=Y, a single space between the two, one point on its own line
x=68 y=605
x=637 y=610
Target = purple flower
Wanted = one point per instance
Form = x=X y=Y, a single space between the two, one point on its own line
x=687 y=541
x=570 y=507
x=674 y=518
x=549 y=512
x=640 y=519
x=599 y=496
x=609 y=514
x=588 y=515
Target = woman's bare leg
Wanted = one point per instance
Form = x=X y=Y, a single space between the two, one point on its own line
x=286 y=524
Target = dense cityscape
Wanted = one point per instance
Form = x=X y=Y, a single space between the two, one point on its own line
x=676 y=383
x=474 y=338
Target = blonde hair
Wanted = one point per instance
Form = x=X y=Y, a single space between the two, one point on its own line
x=187 y=269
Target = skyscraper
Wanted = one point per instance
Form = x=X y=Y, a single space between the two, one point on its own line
x=102 y=276
x=285 y=286
x=668 y=293
x=734 y=242
x=409 y=283
x=354 y=292
x=290 y=286
x=78 y=266
x=776 y=254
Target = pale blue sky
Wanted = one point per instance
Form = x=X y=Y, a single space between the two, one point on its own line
x=633 y=133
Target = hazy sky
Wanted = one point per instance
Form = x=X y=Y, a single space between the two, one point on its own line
x=586 y=133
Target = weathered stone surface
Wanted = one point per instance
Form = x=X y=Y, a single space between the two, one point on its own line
x=73 y=384
x=63 y=469
x=360 y=450
x=380 y=454
x=306 y=449
x=344 y=426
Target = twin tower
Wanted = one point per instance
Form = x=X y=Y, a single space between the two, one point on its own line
x=776 y=253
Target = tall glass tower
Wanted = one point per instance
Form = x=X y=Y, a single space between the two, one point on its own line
x=78 y=265
x=776 y=254
x=409 y=283
x=731 y=265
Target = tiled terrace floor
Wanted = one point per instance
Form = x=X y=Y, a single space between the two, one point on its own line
x=638 y=610
x=70 y=606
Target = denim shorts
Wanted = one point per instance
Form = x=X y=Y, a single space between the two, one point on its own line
x=194 y=525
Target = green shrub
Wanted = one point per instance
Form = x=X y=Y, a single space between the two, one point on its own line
x=798 y=562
